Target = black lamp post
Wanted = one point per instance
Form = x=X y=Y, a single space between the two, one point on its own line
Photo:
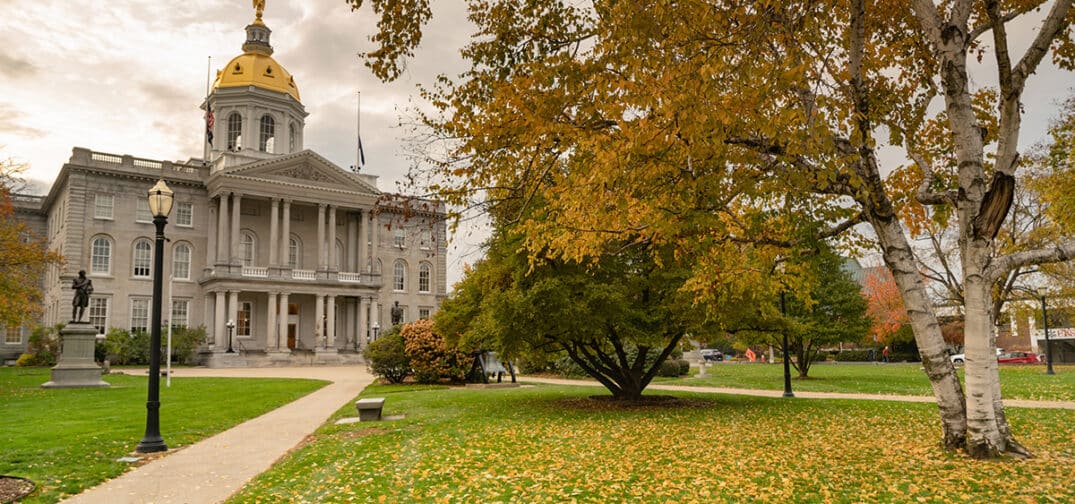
x=160 y=205
x=787 y=361
x=1048 y=344
x=231 y=327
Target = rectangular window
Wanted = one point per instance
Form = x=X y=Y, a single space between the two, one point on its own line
x=242 y=328
x=424 y=312
x=399 y=237
x=180 y=309
x=13 y=335
x=184 y=214
x=102 y=206
x=141 y=211
x=139 y=314
x=426 y=239
x=98 y=313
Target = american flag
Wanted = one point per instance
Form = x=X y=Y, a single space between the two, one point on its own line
x=209 y=122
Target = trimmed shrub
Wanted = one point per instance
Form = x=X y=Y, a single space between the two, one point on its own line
x=854 y=356
x=673 y=368
x=430 y=357
x=122 y=348
x=387 y=357
x=185 y=342
x=684 y=367
x=43 y=347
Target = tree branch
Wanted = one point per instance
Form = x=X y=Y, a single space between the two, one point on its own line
x=1054 y=22
x=924 y=195
x=1065 y=251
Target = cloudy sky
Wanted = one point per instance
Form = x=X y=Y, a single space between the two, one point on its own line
x=127 y=76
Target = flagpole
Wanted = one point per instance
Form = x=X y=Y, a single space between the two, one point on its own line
x=168 y=378
x=358 y=134
x=205 y=137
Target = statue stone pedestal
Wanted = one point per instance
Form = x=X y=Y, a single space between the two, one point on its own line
x=76 y=367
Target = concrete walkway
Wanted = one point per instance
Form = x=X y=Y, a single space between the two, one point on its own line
x=211 y=470
x=1018 y=403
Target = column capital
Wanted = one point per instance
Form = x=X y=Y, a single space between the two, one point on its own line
x=321 y=206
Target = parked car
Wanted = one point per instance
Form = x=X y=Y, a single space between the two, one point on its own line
x=712 y=354
x=959 y=358
x=1018 y=358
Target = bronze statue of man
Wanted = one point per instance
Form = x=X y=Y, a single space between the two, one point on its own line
x=259 y=7
x=83 y=288
x=397 y=314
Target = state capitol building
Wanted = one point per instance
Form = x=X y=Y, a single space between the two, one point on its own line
x=304 y=259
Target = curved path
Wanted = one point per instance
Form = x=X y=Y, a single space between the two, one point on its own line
x=214 y=468
x=1018 y=403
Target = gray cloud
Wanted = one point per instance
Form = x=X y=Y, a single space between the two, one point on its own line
x=16 y=67
x=12 y=121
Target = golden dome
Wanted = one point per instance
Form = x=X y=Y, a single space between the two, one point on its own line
x=259 y=70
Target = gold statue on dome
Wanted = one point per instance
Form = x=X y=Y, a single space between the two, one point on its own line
x=259 y=7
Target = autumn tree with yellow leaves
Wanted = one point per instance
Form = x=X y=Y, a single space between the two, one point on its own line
x=731 y=130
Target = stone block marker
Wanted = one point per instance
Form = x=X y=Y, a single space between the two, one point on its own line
x=369 y=409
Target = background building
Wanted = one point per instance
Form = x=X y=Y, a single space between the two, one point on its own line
x=303 y=257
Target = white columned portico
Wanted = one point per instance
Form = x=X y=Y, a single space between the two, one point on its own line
x=222 y=230
x=285 y=240
x=220 y=311
x=274 y=218
x=319 y=320
x=281 y=335
x=236 y=201
x=333 y=261
x=330 y=308
x=270 y=320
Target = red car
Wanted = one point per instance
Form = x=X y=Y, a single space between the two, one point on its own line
x=1018 y=358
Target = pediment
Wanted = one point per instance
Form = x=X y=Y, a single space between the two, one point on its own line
x=304 y=168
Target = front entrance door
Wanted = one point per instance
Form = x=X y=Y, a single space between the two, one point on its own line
x=292 y=325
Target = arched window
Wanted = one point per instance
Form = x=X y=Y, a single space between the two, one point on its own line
x=235 y=128
x=292 y=142
x=399 y=276
x=294 y=253
x=247 y=246
x=268 y=131
x=424 y=274
x=181 y=262
x=101 y=256
x=142 y=258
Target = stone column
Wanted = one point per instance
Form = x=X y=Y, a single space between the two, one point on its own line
x=330 y=312
x=281 y=336
x=333 y=261
x=349 y=322
x=233 y=315
x=363 y=243
x=321 y=237
x=274 y=246
x=285 y=236
x=363 y=323
x=375 y=239
x=235 y=257
x=209 y=321
x=211 y=241
x=270 y=319
x=222 y=239
x=352 y=244
x=319 y=327
x=220 y=331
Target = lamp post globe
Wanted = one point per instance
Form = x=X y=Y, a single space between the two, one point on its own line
x=160 y=205
x=231 y=327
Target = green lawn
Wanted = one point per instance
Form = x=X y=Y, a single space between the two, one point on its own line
x=67 y=440
x=1017 y=381
x=552 y=444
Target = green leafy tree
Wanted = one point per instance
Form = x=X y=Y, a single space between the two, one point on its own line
x=826 y=309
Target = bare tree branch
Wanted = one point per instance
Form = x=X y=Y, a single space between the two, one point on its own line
x=1002 y=265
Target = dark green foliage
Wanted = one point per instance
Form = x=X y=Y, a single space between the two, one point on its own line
x=43 y=347
x=185 y=342
x=672 y=368
x=856 y=356
x=387 y=357
x=124 y=348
